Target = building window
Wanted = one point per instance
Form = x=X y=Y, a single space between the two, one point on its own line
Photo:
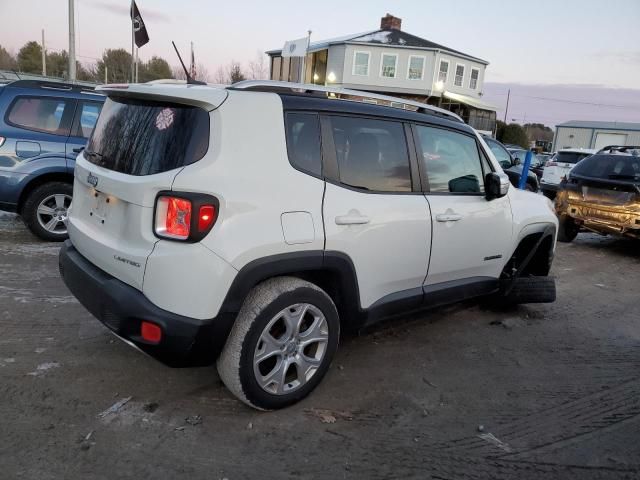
x=444 y=71
x=361 y=63
x=459 y=75
x=416 y=68
x=473 y=81
x=388 y=63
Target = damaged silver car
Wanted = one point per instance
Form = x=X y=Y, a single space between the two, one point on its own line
x=602 y=195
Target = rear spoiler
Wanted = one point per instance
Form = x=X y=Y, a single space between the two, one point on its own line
x=202 y=96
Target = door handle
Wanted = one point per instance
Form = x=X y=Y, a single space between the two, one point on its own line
x=352 y=218
x=448 y=217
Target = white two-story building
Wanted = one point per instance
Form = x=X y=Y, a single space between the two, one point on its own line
x=397 y=63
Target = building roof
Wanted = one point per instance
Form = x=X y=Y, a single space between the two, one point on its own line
x=600 y=125
x=385 y=37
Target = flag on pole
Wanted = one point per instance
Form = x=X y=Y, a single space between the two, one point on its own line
x=296 y=48
x=139 y=29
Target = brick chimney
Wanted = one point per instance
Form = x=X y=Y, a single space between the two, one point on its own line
x=389 y=22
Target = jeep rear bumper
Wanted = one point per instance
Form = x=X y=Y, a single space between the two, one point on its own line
x=122 y=308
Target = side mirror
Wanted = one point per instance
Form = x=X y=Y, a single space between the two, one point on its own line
x=496 y=185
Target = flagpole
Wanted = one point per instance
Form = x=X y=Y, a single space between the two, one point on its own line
x=133 y=33
x=137 y=62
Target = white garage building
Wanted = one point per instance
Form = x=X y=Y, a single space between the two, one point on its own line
x=587 y=134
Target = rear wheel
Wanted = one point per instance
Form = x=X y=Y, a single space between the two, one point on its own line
x=531 y=290
x=281 y=344
x=45 y=210
x=567 y=229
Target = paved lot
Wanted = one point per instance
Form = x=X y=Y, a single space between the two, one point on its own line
x=555 y=387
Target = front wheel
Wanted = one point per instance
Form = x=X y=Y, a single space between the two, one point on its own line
x=281 y=344
x=567 y=229
x=45 y=210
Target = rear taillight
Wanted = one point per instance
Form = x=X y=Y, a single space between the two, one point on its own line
x=173 y=217
x=184 y=216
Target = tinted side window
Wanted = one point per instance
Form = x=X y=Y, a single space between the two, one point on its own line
x=372 y=154
x=86 y=118
x=42 y=114
x=451 y=160
x=500 y=153
x=303 y=142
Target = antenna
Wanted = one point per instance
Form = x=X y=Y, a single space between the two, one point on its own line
x=190 y=81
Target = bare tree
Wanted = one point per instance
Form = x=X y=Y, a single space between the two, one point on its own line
x=235 y=72
x=221 y=76
x=258 y=67
x=178 y=72
x=202 y=73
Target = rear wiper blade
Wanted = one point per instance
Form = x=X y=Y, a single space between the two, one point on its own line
x=92 y=153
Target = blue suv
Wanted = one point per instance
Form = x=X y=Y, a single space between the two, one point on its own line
x=43 y=127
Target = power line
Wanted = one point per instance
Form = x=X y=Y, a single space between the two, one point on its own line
x=561 y=100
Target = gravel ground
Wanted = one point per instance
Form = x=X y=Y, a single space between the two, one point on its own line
x=541 y=391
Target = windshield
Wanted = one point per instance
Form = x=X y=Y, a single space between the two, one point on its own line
x=612 y=167
x=570 y=157
x=142 y=137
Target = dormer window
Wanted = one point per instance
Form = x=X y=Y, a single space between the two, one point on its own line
x=473 y=81
x=415 y=71
x=458 y=81
x=361 y=63
x=444 y=71
x=388 y=65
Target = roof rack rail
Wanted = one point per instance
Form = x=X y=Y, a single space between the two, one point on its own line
x=278 y=86
x=618 y=148
x=53 y=85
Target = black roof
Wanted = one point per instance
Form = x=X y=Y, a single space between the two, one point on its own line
x=332 y=105
x=398 y=38
x=385 y=37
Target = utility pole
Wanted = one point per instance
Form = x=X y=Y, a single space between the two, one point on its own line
x=72 y=42
x=44 y=57
x=105 y=74
x=507 y=108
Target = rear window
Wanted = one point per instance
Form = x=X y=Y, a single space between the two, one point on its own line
x=142 y=137
x=570 y=157
x=610 y=167
x=303 y=142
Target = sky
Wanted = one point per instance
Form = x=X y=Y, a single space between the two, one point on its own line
x=579 y=50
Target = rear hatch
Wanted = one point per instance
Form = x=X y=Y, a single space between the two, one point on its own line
x=142 y=140
x=560 y=165
x=606 y=189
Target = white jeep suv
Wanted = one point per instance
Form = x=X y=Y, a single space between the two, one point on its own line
x=250 y=224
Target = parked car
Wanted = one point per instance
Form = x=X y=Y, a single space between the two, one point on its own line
x=253 y=223
x=511 y=166
x=602 y=194
x=559 y=166
x=43 y=127
x=542 y=159
x=536 y=165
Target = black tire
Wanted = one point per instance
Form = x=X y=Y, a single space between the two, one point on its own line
x=550 y=194
x=532 y=290
x=264 y=304
x=530 y=187
x=567 y=229
x=29 y=210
